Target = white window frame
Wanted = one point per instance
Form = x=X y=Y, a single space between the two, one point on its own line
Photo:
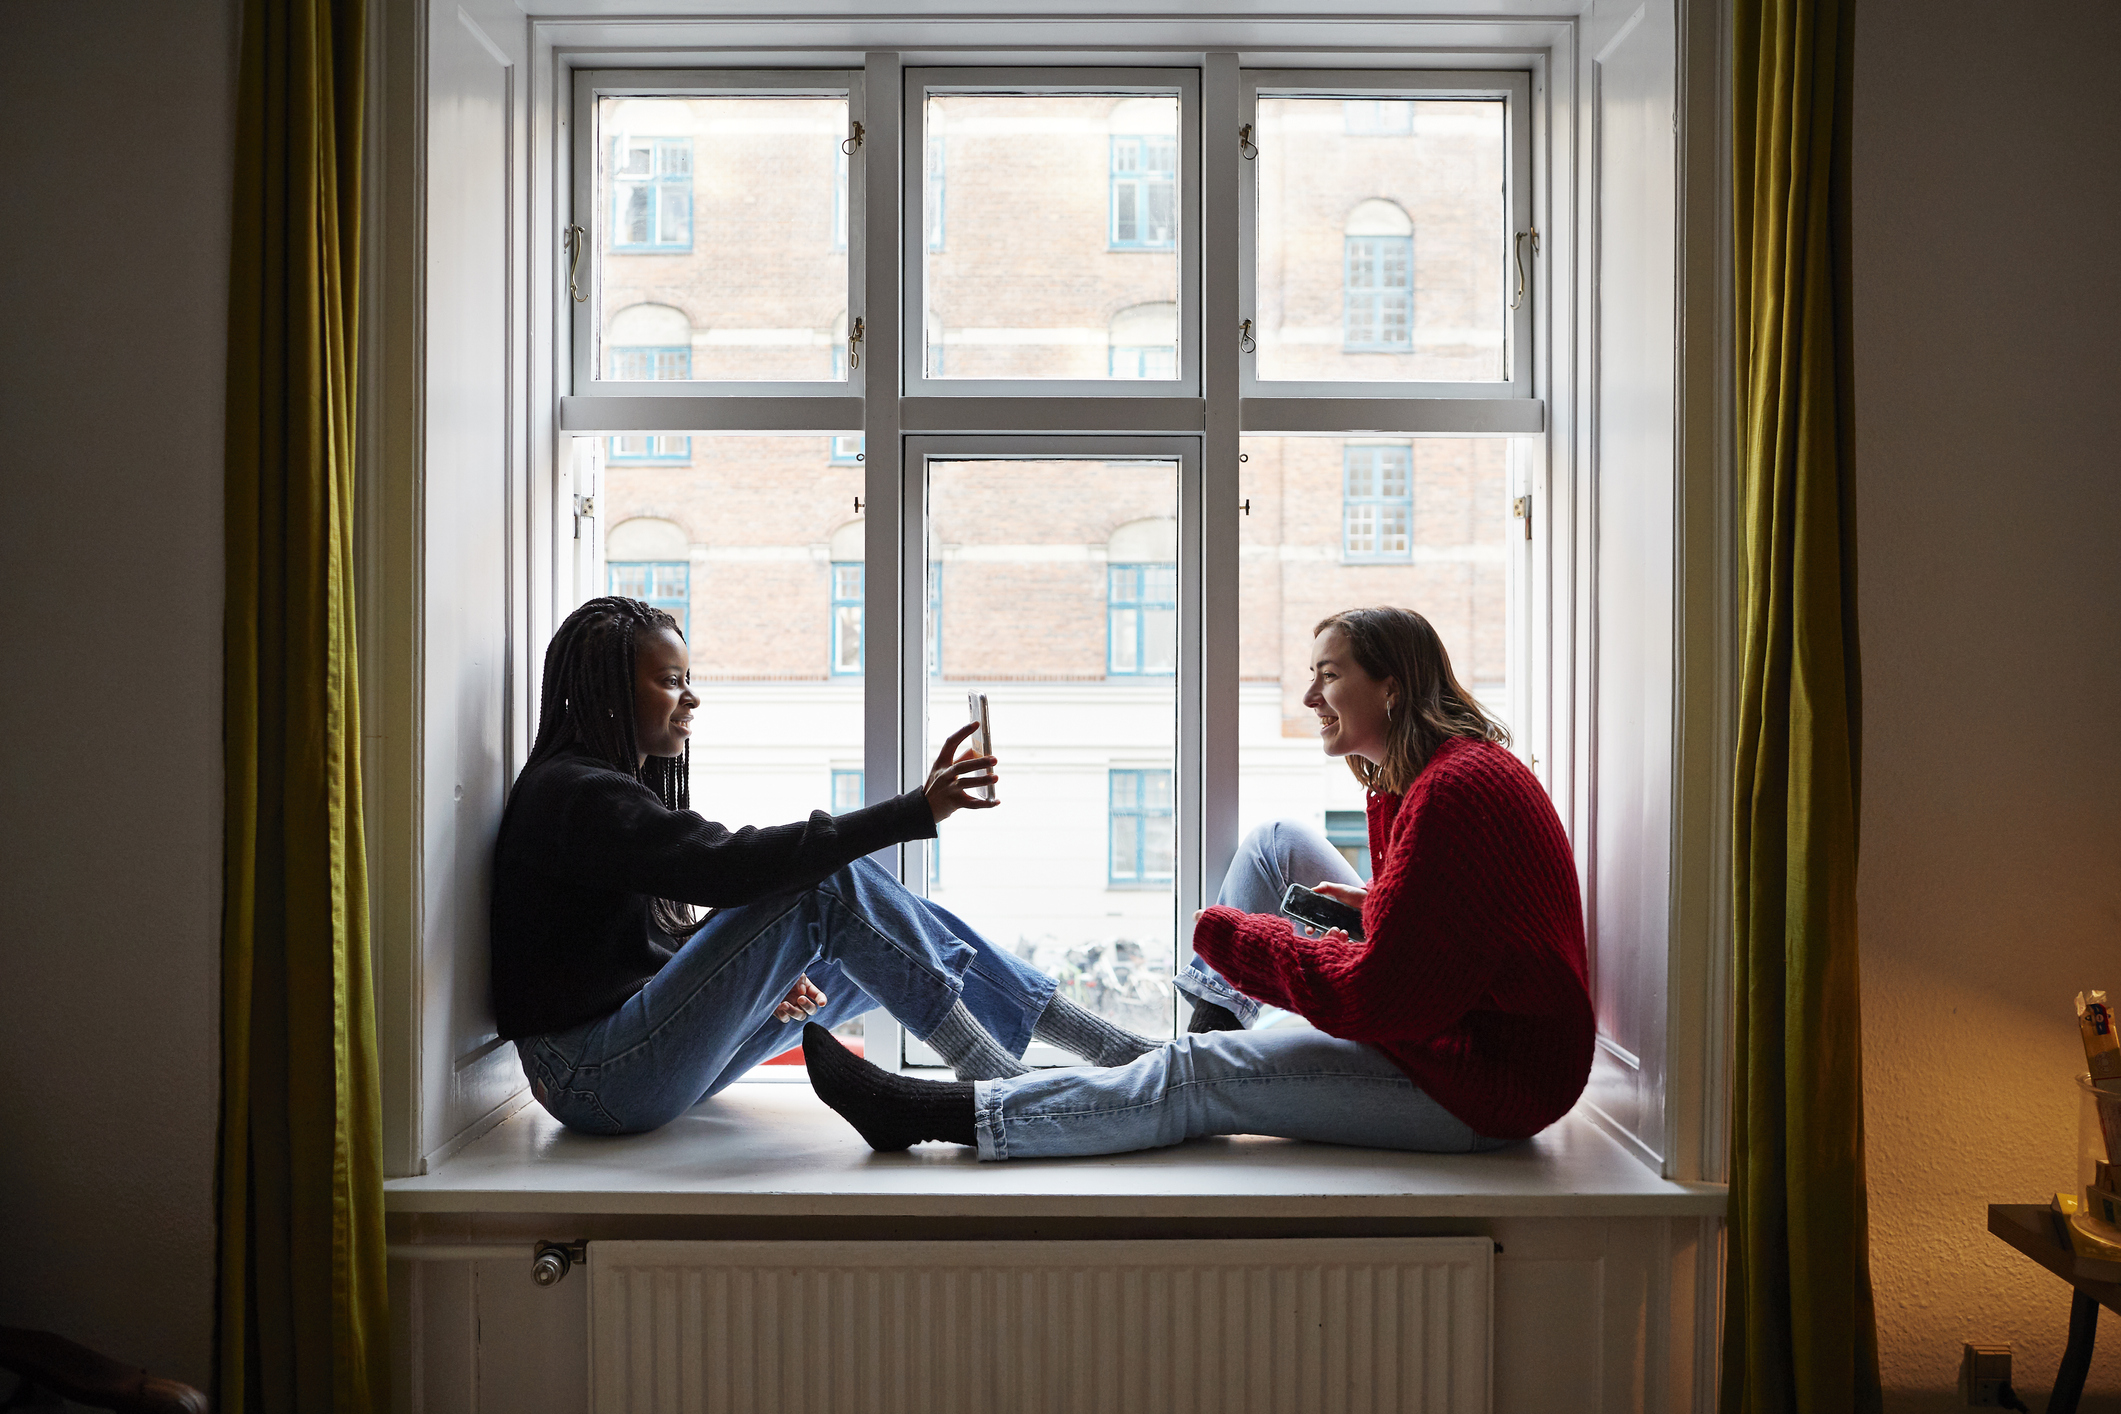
x=1295 y=402
x=1057 y=80
x=584 y=317
x=1201 y=676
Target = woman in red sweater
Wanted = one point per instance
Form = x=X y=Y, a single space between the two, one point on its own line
x=1459 y=1021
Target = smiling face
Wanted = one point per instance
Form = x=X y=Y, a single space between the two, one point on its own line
x=1352 y=706
x=662 y=693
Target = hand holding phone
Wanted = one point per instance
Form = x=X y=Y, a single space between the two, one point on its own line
x=1315 y=910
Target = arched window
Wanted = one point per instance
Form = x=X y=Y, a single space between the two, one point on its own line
x=1141 y=598
x=651 y=559
x=1144 y=342
x=847 y=552
x=1378 y=279
x=1145 y=174
x=647 y=343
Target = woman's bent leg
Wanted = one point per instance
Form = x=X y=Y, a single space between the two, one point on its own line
x=1297 y=1084
x=699 y=1022
x=1269 y=859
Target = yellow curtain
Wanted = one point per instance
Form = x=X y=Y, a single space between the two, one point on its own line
x=1800 y=1333
x=302 y=1304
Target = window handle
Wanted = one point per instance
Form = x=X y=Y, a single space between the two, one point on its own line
x=572 y=240
x=854 y=345
x=1518 y=298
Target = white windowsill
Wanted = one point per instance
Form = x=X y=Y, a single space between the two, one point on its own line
x=775 y=1149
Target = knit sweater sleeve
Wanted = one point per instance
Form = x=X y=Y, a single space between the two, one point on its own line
x=618 y=835
x=1428 y=955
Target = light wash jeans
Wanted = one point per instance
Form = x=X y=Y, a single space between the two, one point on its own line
x=707 y=1017
x=1291 y=1082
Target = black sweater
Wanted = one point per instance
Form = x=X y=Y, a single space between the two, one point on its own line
x=582 y=850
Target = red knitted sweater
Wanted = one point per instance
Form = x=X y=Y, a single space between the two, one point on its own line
x=1471 y=973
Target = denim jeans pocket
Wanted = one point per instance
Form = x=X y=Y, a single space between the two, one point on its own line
x=564 y=1092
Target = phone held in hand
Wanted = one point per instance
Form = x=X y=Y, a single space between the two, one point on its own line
x=1308 y=906
x=983 y=739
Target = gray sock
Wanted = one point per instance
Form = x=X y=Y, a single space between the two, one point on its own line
x=1089 y=1035
x=967 y=1048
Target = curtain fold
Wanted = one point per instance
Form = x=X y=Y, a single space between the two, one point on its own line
x=302 y=1306
x=1800 y=1332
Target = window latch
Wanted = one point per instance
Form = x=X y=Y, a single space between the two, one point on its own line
x=854 y=345
x=572 y=240
x=1246 y=148
x=1518 y=246
x=1244 y=337
x=1521 y=509
x=854 y=140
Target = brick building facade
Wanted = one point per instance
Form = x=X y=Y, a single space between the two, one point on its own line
x=1051 y=582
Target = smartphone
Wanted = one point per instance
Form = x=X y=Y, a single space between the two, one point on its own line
x=982 y=740
x=1310 y=907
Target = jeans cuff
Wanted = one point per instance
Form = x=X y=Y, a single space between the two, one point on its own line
x=1205 y=986
x=987 y=1120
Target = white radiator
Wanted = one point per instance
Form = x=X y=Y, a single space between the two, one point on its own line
x=1361 y=1325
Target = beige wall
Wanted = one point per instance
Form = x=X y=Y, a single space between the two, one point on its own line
x=1986 y=177
x=113 y=280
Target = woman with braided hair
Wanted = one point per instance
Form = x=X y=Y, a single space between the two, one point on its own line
x=626 y=1007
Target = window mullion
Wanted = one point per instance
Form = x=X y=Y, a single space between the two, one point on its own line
x=1207 y=780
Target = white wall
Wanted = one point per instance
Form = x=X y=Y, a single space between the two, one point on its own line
x=1987 y=192
x=113 y=277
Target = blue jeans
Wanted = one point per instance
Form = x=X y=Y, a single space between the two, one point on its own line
x=707 y=1017
x=1291 y=1083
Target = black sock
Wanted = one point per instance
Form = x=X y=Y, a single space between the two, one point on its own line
x=1209 y=1016
x=892 y=1112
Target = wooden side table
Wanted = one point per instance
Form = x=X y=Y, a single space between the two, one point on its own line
x=2035 y=1229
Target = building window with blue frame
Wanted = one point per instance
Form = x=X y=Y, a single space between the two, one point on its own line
x=846 y=791
x=839 y=197
x=651 y=194
x=663 y=584
x=1142 y=619
x=937 y=213
x=659 y=363
x=1379 y=294
x=1143 y=361
x=650 y=447
x=1349 y=832
x=1144 y=193
x=1377 y=117
x=935 y=619
x=847 y=450
x=1377 y=503
x=846 y=619
x=1142 y=833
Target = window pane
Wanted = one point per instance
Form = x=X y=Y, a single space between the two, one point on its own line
x=1059 y=216
x=1026 y=550
x=1383 y=239
x=1455 y=573
x=735 y=528
x=720 y=234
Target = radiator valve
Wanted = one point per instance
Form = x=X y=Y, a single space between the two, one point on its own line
x=555 y=1260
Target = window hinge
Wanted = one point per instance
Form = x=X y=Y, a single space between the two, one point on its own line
x=585 y=508
x=854 y=345
x=854 y=139
x=1521 y=509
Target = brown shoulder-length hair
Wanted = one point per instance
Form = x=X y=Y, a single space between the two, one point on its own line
x=1429 y=706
